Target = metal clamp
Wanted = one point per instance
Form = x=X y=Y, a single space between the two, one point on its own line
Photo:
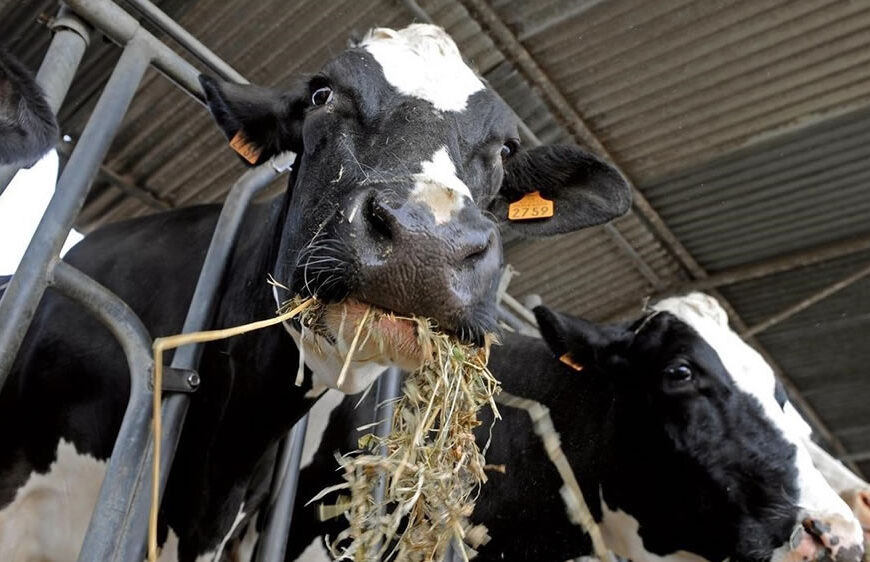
x=177 y=380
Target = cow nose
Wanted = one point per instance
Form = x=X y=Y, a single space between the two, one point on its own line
x=830 y=538
x=435 y=263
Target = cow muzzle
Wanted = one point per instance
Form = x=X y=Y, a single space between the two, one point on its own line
x=831 y=538
x=416 y=262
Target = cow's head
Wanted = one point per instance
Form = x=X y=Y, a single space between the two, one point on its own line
x=407 y=163
x=707 y=464
x=27 y=125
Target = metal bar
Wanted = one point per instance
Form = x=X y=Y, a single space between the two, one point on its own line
x=181 y=36
x=779 y=264
x=58 y=67
x=273 y=542
x=125 y=185
x=112 y=507
x=807 y=302
x=860 y=456
x=518 y=325
x=20 y=300
x=389 y=386
x=120 y=27
x=199 y=317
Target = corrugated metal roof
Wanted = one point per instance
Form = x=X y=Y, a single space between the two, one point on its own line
x=744 y=122
x=778 y=196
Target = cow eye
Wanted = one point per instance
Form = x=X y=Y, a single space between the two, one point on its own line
x=679 y=373
x=321 y=96
x=509 y=148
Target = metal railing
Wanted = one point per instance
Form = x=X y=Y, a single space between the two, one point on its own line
x=118 y=526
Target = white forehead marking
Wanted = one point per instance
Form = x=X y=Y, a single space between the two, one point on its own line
x=438 y=187
x=421 y=60
x=752 y=375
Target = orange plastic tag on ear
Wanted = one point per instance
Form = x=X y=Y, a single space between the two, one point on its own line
x=531 y=206
x=246 y=149
x=568 y=360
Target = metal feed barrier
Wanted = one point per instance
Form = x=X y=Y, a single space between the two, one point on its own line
x=118 y=526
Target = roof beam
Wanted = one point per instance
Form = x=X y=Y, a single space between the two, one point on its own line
x=516 y=53
x=808 y=302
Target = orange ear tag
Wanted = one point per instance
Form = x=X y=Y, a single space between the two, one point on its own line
x=568 y=360
x=247 y=150
x=531 y=206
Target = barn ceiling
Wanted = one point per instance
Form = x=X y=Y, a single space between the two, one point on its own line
x=744 y=126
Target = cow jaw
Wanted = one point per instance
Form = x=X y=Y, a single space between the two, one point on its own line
x=383 y=340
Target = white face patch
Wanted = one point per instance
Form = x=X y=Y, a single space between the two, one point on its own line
x=439 y=189
x=318 y=419
x=752 y=375
x=621 y=534
x=315 y=552
x=422 y=61
x=48 y=518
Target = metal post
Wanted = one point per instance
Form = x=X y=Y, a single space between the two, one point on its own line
x=388 y=387
x=112 y=508
x=20 y=300
x=273 y=542
x=199 y=317
x=58 y=68
x=159 y=18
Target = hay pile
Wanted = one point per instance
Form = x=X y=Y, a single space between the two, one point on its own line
x=433 y=468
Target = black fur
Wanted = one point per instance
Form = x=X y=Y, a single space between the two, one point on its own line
x=28 y=128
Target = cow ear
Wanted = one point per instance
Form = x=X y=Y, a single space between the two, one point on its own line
x=259 y=122
x=28 y=128
x=574 y=341
x=585 y=191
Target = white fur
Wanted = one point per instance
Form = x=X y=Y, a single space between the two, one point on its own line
x=754 y=376
x=315 y=552
x=326 y=361
x=422 y=60
x=318 y=419
x=621 y=534
x=48 y=518
x=215 y=555
x=439 y=188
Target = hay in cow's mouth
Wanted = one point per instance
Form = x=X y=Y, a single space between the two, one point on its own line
x=432 y=468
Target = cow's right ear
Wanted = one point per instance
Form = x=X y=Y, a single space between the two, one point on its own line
x=259 y=122
x=574 y=341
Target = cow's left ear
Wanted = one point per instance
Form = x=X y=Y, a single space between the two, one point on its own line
x=574 y=341
x=585 y=191
x=259 y=122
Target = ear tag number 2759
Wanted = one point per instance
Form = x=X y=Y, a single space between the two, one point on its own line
x=531 y=206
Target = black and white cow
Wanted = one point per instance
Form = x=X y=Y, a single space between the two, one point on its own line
x=27 y=125
x=682 y=445
x=406 y=164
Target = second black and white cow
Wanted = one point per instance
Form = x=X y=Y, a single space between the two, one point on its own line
x=683 y=447
x=27 y=125
x=406 y=165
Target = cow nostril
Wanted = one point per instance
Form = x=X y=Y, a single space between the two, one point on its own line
x=816 y=528
x=377 y=219
x=477 y=253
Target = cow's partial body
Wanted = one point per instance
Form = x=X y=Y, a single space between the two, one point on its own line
x=682 y=445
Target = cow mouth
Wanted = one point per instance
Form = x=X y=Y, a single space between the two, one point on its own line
x=370 y=333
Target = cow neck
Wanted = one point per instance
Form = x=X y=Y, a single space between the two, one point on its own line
x=259 y=394
x=580 y=403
